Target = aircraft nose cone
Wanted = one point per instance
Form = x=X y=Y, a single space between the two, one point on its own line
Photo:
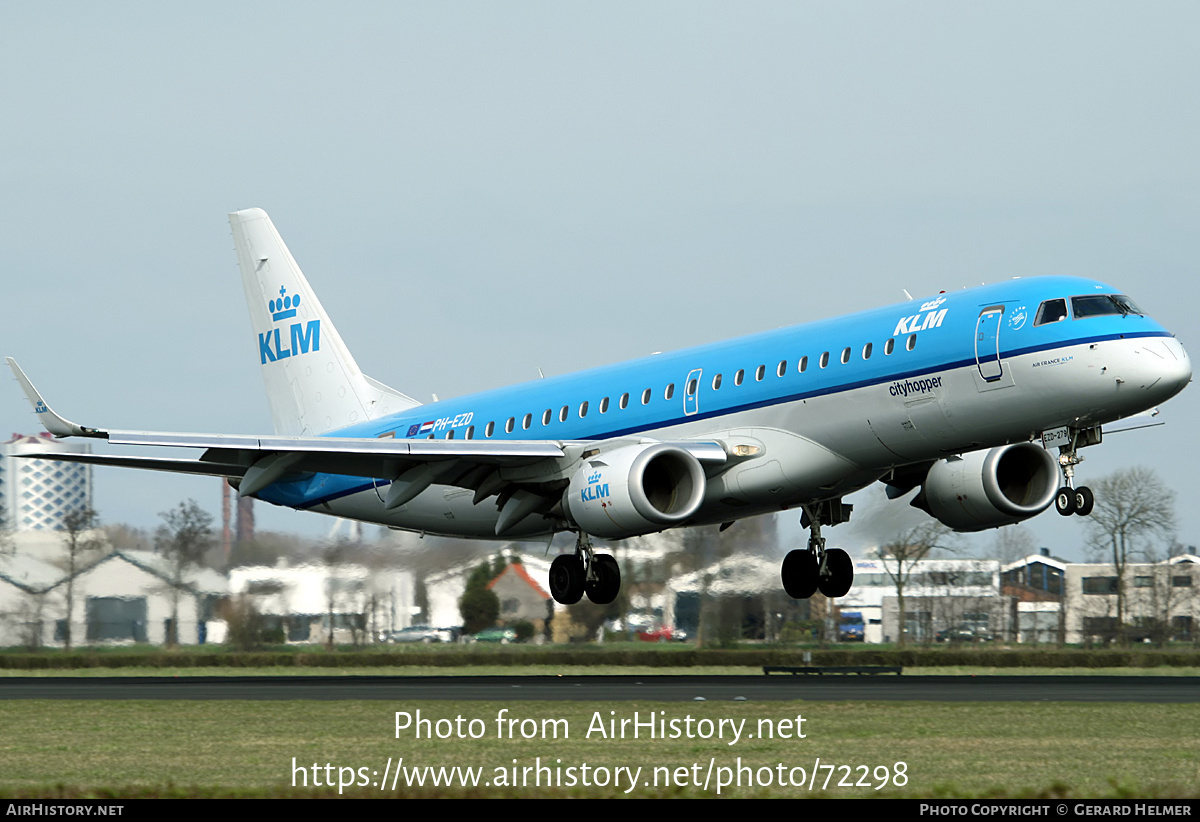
x=1174 y=369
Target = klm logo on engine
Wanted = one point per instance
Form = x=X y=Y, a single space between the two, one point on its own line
x=282 y=342
x=595 y=490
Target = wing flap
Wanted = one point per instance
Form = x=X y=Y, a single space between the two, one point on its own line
x=482 y=450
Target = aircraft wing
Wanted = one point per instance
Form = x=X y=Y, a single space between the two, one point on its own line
x=411 y=466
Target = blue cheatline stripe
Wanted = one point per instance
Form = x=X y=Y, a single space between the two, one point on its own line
x=356 y=485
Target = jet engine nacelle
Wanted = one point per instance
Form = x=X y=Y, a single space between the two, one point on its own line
x=634 y=490
x=987 y=489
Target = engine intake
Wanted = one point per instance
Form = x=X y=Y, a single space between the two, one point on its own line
x=634 y=490
x=987 y=489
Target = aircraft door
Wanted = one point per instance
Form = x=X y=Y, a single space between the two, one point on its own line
x=987 y=343
x=691 y=391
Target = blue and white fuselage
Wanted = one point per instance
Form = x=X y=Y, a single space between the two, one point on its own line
x=960 y=394
x=838 y=403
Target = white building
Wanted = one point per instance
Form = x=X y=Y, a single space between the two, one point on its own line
x=128 y=597
x=302 y=600
x=1035 y=587
x=24 y=580
x=1161 y=600
x=35 y=494
x=939 y=595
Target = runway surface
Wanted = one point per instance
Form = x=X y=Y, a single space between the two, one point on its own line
x=619 y=688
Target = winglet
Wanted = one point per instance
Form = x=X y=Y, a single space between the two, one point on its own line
x=56 y=425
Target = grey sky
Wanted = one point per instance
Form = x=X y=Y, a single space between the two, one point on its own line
x=477 y=190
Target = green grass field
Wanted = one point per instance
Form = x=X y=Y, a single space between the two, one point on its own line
x=154 y=748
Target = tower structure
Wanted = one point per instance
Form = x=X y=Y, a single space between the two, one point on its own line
x=36 y=494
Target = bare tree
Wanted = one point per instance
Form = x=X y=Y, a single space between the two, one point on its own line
x=80 y=541
x=343 y=593
x=1011 y=543
x=1165 y=597
x=901 y=555
x=184 y=537
x=1134 y=512
x=6 y=541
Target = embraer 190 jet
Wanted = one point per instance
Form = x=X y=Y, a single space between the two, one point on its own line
x=960 y=394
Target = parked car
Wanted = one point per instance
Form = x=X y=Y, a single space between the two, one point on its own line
x=662 y=634
x=501 y=635
x=964 y=634
x=420 y=633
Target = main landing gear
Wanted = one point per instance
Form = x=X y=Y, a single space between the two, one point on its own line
x=1069 y=499
x=829 y=571
x=584 y=572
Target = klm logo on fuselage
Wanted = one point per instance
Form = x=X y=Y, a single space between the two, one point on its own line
x=927 y=317
x=300 y=338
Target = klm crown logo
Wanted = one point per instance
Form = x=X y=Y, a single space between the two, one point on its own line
x=284 y=307
x=304 y=337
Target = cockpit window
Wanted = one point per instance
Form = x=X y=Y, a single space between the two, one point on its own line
x=1098 y=305
x=1051 y=311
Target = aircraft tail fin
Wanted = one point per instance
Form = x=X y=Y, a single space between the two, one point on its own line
x=313 y=383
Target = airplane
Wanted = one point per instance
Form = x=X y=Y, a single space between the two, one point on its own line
x=962 y=395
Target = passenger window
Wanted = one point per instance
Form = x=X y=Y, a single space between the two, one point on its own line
x=546 y=416
x=716 y=382
x=760 y=372
x=782 y=369
x=562 y=413
x=490 y=429
x=824 y=359
x=912 y=342
x=604 y=406
x=691 y=387
x=867 y=351
x=508 y=426
x=527 y=421
x=624 y=403
x=583 y=409
x=471 y=432
x=739 y=376
x=670 y=392
x=845 y=356
x=803 y=364
x=450 y=434
x=1051 y=311
x=888 y=347
x=646 y=397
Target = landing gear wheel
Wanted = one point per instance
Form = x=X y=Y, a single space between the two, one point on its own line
x=839 y=573
x=800 y=574
x=1084 y=501
x=1064 y=501
x=566 y=579
x=607 y=584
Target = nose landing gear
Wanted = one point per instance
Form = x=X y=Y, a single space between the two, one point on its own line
x=1069 y=499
